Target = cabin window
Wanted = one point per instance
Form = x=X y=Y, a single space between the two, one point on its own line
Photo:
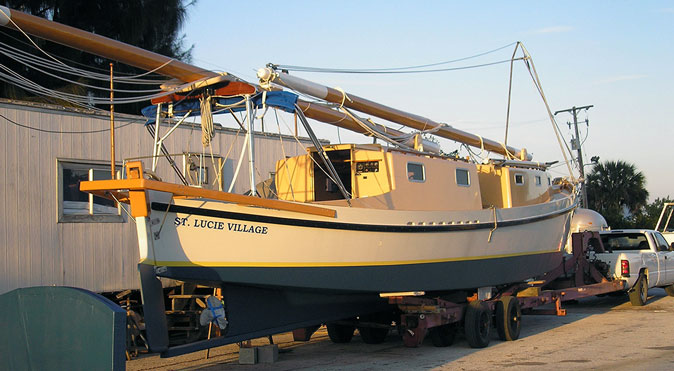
x=75 y=206
x=519 y=179
x=462 y=177
x=415 y=172
x=538 y=180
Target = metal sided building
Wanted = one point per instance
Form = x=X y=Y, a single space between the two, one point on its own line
x=52 y=234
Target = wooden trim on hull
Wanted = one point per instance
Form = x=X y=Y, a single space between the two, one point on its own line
x=163 y=207
x=444 y=276
x=138 y=186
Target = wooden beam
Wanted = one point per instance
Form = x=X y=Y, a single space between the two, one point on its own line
x=99 y=187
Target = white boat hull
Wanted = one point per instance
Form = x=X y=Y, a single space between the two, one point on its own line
x=359 y=250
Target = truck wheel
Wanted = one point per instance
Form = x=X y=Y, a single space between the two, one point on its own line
x=639 y=293
x=340 y=333
x=477 y=324
x=670 y=290
x=508 y=318
x=443 y=336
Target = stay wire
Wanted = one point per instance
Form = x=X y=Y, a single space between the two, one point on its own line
x=360 y=72
x=320 y=69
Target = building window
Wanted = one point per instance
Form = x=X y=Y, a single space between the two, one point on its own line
x=519 y=179
x=415 y=172
x=538 y=180
x=462 y=177
x=76 y=206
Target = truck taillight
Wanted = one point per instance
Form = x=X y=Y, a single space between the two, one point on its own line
x=625 y=267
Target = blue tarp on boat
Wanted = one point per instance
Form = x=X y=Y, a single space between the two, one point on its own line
x=279 y=99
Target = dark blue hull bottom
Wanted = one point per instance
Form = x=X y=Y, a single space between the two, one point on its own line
x=446 y=276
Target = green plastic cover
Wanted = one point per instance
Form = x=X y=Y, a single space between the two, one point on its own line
x=61 y=328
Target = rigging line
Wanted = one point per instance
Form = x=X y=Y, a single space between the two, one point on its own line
x=28 y=58
x=318 y=69
x=285 y=158
x=28 y=37
x=376 y=133
x=31 y=86
x=65 y=132
x=79 y=83
x=304 y=148
x=510 y=89
x=70 y=60
x=529 y=63
x=324 y=156
x=39 y=90
x=418 y=71
x=57 y=60
x=151 y=71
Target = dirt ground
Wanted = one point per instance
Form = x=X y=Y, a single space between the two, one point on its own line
x=597 y=333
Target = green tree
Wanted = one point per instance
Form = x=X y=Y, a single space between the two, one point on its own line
x=650 y=213
x=616 y=189
x=154 y=25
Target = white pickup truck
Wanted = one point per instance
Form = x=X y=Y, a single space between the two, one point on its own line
x=641 y=257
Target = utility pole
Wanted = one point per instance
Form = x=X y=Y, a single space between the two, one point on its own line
x=574 y=111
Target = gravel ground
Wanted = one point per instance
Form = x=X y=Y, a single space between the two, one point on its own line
x=597 y=333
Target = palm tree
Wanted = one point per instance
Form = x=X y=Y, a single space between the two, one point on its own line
x=616 y=190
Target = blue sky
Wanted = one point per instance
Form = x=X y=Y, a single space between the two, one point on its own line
x=615 y=55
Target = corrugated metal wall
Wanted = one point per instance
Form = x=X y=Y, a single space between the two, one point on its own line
x=35 y=249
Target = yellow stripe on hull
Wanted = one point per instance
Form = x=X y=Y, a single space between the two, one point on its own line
x=334 y=264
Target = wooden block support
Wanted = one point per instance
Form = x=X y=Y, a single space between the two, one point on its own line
x=248 y=356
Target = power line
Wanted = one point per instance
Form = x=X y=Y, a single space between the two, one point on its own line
x=63 y=132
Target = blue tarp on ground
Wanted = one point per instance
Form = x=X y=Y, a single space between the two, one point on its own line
x=279 y=99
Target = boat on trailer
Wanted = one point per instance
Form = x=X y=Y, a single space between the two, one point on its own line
x=344 y=223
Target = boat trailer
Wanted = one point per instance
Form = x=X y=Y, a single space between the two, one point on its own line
x=575 y=278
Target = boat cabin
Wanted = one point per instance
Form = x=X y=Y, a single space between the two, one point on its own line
x=386 y=178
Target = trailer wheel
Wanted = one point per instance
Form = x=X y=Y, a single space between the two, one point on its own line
x=477 y=324
x=670 y=290
x=340 y=333
x=443 y=336
x=373 y=335
x=639 y=293
x=508 y=318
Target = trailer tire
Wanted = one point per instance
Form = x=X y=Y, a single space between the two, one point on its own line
x=508 y=318
x=639 y=293
x=477 y=324
x=340 y=333
x=669 y=290
x=443 y=336
x=373 y=335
